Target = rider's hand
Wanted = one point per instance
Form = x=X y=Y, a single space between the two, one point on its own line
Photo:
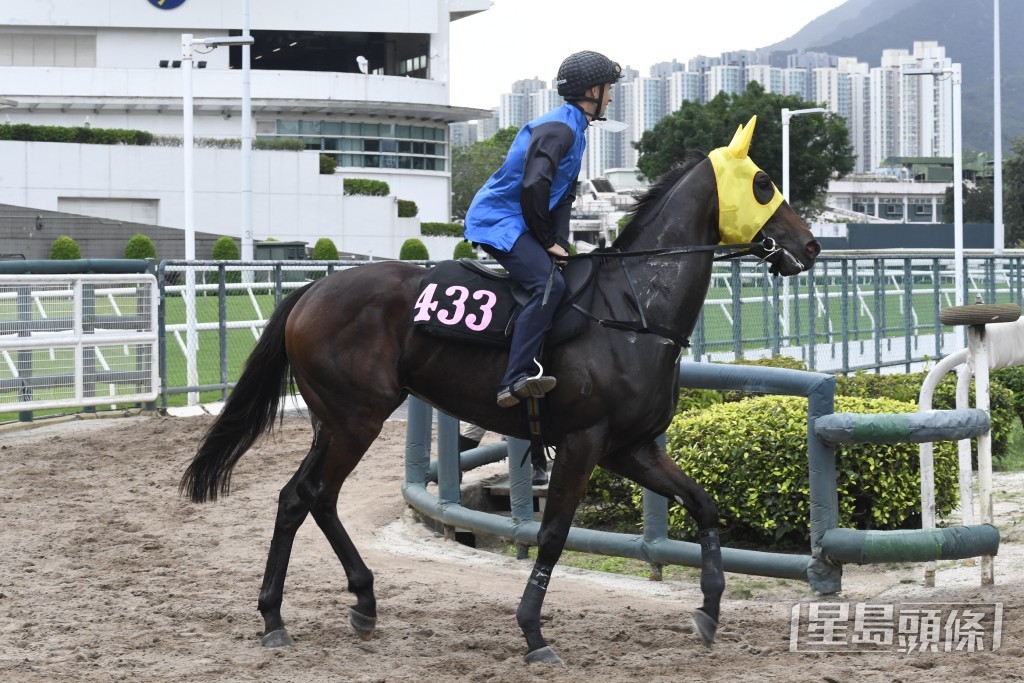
x=559 y=253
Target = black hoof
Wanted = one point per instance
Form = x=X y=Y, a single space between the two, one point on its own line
x=278 y=638
x=704 y=626
x=544 y=655
x=362 y=624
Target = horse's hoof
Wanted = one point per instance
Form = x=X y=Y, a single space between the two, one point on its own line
x=362 y=624
x=278 y=638
x=544 y=655
x=704 y=626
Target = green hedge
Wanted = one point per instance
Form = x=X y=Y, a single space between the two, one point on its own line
x=751 y=456
x=407 y=208
x=140 y=247
x=413 y=250
x=327 y=164
x=64 y=249
x=464 y=249
x=79 y=134
x=442 y=229
x=324 y=250
x=279 y=144
x=225 y=249
x=366 y=187
x=1012 y=379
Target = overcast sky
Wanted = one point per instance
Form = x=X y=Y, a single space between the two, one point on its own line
x=525 y=38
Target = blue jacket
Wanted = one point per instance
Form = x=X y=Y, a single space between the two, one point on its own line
x=535 y=186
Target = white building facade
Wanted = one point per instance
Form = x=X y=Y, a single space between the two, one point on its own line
x=112 y=64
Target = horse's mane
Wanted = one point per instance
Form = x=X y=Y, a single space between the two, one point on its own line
x=647 y=202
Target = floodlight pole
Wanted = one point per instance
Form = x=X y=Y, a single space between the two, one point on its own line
x=787 y=114
x=191 y=328
x=247 y=241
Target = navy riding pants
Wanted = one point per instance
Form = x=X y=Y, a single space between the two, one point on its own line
x=530 y=265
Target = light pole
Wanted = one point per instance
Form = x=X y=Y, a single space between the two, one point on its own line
x=958 y=176
x=188 y=45
x=787 y=114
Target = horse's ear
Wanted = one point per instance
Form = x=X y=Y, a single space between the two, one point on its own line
x=740 y=145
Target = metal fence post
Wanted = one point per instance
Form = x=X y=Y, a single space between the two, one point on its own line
x=222 y=328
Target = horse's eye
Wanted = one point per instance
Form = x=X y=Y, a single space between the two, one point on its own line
x=763 y=188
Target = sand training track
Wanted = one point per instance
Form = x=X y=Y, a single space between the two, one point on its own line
x=106 y=574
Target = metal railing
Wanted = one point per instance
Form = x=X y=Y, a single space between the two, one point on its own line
x=853 y=311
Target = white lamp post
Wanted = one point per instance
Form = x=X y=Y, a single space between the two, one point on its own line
x=958 y=177
x=787 y=114
x=188 y=44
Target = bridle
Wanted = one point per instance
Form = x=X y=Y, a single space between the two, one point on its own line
x=769 y=245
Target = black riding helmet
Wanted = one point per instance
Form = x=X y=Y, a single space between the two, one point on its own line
x=583 y=70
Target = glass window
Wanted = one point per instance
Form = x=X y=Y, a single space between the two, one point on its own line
x=309 y=127
x=417 y=163
x=389 y=161
x=371 y=161
x=331 y=143
x=371 y=145
x=331 y=128
x=389 y=146
x=287 y=127
x=350 y=145
x=417 y=132
x=402 y=132
x=370 y=129
x=404 y=146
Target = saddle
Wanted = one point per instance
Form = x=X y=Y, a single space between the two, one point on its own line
x=467 y=301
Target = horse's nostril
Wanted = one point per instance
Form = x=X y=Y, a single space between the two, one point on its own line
x=813 y=248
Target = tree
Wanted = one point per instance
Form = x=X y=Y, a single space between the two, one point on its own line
x=413 y=250
x=819 y=144
x=324 y=250
x=139 y=247
x=978 y=203
x=64 y=249
x=473 y=165
x=1013 y=194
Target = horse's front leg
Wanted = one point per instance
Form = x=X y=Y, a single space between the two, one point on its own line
x=648 y=465
x=569 y=475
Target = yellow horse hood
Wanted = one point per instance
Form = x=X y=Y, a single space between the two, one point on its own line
x=740 y=214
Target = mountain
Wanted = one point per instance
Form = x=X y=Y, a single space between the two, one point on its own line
x=863 y=28
x=844 y=21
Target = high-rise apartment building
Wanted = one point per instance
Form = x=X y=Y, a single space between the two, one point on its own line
x=887 y=113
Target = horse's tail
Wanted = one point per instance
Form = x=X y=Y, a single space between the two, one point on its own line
x=248 y=412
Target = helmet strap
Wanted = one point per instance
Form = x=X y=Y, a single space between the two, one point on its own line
x=598 y=101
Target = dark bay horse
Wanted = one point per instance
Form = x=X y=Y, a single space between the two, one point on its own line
x=355 y=358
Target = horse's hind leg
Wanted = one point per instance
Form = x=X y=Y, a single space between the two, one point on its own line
x=291 y=512
x=648 y=465
x=314 y=489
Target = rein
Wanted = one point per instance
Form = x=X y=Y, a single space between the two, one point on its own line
x=738 y=250
x=641 y=325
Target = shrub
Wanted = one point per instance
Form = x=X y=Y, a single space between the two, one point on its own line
x=64 y=249
x=324 y=250
x=279 y=144
x=464 y=250
x=80 y=134
x=225 y=249
x=442 y=229
x=1012 y=379
x=140 y=247
x=907 y=387
x=327 y=164
x=413 y=250
x=366 y=187
x=407 y=208
x=751 y=456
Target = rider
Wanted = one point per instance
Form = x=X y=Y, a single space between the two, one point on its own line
x=521 y=214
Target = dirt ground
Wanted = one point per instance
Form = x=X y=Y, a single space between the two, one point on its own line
x=106 y=573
